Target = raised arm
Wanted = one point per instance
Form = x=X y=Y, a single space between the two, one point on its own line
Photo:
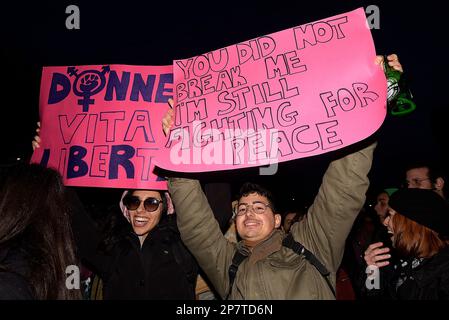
x=340 y=198
x=200 y=231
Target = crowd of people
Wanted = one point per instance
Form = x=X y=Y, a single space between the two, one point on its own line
x=191 y=242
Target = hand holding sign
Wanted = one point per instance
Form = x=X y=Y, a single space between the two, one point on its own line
x=393 y=61
x=37 y=140
x=168 y=120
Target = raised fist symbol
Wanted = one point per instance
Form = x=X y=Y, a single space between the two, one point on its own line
x=89 y=82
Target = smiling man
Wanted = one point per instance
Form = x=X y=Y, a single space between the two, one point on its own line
x=255 y=217
x=269 y=269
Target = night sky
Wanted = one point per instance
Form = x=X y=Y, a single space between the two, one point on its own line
x=156 y=32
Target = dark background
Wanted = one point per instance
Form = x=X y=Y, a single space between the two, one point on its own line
x=156 y=32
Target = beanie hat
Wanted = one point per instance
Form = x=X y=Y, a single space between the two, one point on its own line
x=423 y=206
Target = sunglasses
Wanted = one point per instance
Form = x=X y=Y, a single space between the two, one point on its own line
x=133 y=202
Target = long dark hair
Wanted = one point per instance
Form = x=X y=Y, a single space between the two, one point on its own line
x=35 y=217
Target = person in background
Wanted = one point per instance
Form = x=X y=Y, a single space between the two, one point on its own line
x=36 y=241
x=369 y=228
x=380 y=232
x=418 y=222
x=381 y=206
x=425 y=175
x=290 y=217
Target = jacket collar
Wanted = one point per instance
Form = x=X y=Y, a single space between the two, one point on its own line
x=163 y=232
x=262 y=250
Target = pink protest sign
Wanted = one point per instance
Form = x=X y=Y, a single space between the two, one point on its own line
x=296 y=93
x=101 y=125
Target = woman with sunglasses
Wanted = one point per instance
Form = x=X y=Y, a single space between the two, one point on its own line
x=142 y=256
x=142 y=208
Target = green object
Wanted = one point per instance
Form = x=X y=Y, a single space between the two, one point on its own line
x=399 y=97
x=390 y=191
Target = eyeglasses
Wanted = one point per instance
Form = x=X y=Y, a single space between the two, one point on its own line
x=133 y=202
x=258 y=208
x=414 y=182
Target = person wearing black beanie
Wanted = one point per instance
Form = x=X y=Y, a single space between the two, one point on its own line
x=423 y=206
x=418 y=221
